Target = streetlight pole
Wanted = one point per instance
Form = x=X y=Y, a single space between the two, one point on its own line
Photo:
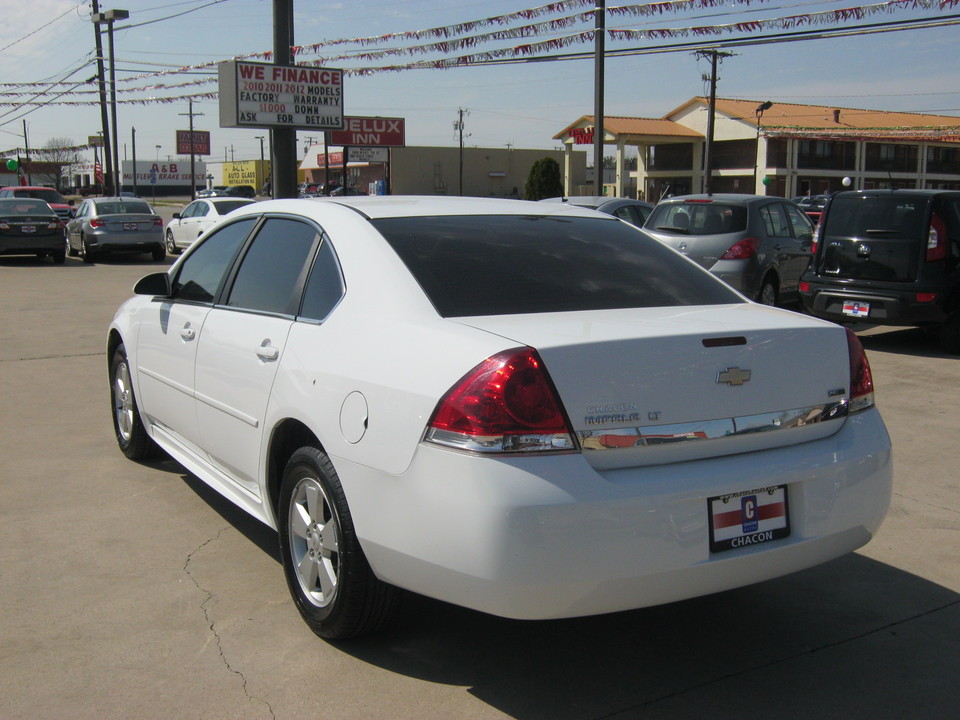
x=761 y=109
x=110 y=17
x=102 y=90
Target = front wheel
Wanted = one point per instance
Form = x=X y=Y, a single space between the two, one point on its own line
x=132 y=436
x=327 y=573
x=171 y=244
x=85 y=252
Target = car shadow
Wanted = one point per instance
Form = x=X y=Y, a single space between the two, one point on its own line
x=912 y=341
x=851 y=638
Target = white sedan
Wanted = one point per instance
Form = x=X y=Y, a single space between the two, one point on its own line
x=531 y=410
x=196 y=218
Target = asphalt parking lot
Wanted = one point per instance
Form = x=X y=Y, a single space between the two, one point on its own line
x=131 y=590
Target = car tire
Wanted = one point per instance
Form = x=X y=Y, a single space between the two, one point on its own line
x=171 y=244
x=131 y=435
x=950 y=333
x=59 y=257
x=71 y=250
x=85 y=252
x=327 y=573
x=768 y=292
x=159 y=254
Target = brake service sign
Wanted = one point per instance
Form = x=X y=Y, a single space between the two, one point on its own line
x=280 y=96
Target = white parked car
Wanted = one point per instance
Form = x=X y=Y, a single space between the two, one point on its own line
x=196 y=218
x=531 y=410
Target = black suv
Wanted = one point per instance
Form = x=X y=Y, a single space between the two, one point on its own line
x=888 y=257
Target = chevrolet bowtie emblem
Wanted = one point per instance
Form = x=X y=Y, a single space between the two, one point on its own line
x=734 y=376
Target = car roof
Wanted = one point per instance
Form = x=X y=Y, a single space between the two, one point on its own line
x=729 y=198
x=396 y=206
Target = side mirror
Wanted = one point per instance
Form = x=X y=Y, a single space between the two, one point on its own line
x=155 y=284
x=176 y=216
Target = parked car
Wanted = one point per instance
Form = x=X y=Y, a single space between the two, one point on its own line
x=245 y=191
x=813 y=206
x=30 y=227
x=758 y=244
x=634 y=212
x=531 y=410
x=62 y=206
x=344 y=190
x=889 y=257
x=115 y=224
x=214 y=191
x=196 y=218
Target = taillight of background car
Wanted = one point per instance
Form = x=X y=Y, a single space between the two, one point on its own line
x=744 y=249
x=861 y=379
x=507 y=403
x=96 y=223
x=936 y=239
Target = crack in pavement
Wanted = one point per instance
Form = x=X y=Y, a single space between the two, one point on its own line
x=211 y=623
x=924 y=502
x=745 y=671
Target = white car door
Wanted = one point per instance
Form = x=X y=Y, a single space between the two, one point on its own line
x=170 y=332
x=243 y=343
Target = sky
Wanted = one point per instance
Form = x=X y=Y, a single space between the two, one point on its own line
x=518 y=105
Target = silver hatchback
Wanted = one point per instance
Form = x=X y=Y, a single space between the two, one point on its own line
x=759 y=245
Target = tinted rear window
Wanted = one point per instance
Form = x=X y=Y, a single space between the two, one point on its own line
x=707 y=218
x=24 y=207
x=131 y=207
x=889 y=215
x=499 y=265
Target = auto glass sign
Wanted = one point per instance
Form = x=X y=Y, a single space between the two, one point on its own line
x=280 y=96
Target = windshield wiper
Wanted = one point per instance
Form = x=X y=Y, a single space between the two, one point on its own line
x=685 y=231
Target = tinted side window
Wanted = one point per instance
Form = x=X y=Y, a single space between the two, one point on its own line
x=271 y=274
x=324 y=286
x=802 y=227
x=202 y=272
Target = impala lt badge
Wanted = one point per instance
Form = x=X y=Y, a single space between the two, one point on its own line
x=734 y=376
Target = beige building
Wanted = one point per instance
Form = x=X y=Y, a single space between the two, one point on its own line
x=776 y=149
x=486 y=172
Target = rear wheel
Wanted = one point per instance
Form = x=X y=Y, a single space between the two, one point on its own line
x=85 y=252
x=768 y=292
x=327 y=573
x=159 y=253
x=132 y=436
x=950 y=333
x=59 y=257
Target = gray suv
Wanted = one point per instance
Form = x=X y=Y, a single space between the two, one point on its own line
x=759 y=245
x=889 y=257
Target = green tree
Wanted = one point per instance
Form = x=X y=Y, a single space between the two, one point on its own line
x=544 y=180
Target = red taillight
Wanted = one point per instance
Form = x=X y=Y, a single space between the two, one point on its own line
x=816 y=239
x=925 y=297
x=936 y=239
x=861 y=379
x=158 y=221
x=744 y=249
x=804 y=286
x=505 y=404
x=96 y=222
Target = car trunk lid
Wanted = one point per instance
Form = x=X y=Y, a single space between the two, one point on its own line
x=664 y=385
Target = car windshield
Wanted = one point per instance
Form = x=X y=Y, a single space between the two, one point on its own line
x=46 y=194
x=516 y=264
x=124 y=207
x=24 y=206
x=229 y=205
x=858 y=216
x=696 y=218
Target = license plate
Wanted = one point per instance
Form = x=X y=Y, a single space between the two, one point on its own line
x=748 y=518
x=131 y=226
x=28 y=228
x=856 y=309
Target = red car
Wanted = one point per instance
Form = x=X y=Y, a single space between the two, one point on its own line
x=63 y=207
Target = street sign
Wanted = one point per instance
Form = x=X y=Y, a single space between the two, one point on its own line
x=201 y=142
x=280 y=96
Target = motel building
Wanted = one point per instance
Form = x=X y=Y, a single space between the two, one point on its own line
x=772 y=149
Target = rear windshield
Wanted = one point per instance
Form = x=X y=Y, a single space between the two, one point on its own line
x=25 y=206
x=515 y=264
x=888 y=215
x=131 y=207
x=47 y=195
x=707 y=218
x=229 y=205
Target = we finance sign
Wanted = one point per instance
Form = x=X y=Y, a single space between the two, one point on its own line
x=280 y=96
x=369 y=132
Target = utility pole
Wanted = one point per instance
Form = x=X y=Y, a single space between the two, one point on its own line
x=715 y=56
x=193 y=183
x=133 y=148
x=102 y=91
x=26 y=149
x=283 y=141
x=458 y=128
x=598 y=80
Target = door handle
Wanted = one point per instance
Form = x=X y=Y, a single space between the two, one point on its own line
x=267 y=352
x=188 y=333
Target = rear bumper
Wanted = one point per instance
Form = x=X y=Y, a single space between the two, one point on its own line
x=32 y=244
x=887 y=306
x=133 y=241
x=550 y=537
